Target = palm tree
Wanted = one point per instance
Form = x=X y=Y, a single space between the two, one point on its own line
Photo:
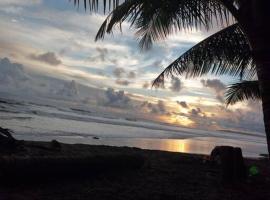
x=246 y=30
x=241 y=91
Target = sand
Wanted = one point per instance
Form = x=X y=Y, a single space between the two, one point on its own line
x=163 y=175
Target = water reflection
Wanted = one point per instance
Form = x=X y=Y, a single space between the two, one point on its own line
x=198 y=145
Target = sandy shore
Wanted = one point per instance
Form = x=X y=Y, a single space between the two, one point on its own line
x=163 y=175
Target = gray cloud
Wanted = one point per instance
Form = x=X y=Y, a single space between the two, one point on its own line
x=214 y=84
x=122 y=82
x=248 y=120
x=116 y=98
x=157 y=63
x=158 y=108
x=161 y=106
x=195 y=111
x=217 y=86
x=153 y=67
x=11 y=73
x=119 y=72
x=131 y=75
x=220 y=97
x=176 y=84
x=182 y=103
x=102 y=53
x=70 y=89
x=146 y=85
x=49 y=58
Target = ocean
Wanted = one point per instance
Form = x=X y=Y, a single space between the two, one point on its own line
x=40 y=122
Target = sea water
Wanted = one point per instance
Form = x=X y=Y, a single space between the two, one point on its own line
x=45 y=123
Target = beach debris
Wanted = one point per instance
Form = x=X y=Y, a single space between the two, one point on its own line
x=55 y=145
x=7 y=141
x=231 y=162
x=264 y=156
x=6 y=133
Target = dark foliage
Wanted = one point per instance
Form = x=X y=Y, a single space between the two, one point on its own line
x=243 y=91
x=226 y=52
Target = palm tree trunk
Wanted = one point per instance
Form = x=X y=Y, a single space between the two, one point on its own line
x=256 y=27
x=263 y=71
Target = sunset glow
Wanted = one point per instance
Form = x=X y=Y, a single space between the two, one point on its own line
x=55 y=43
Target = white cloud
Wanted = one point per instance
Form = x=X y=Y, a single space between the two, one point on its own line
x=20 y=2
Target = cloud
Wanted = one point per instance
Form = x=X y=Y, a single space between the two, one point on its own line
x=102 y=53
x=217 y=86
x=195 y=111
x=122 y=82
x=146 y=85
x=131 y=75
x=247 y=119
x=49 y=58
x=176 y=84
x=153 y=67
x=69 y=89
x=118 y=72
x=182 y=103
x=20 y=2
x=11 y=74
x=157 y=63
x=214 y=84
x=161 y=106
x=116 y=98
x=158 y=108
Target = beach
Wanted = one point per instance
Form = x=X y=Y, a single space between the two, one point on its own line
x=163 y=175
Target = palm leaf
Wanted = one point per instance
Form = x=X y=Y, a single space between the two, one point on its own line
x=155 y=20
x=226 y=52
x=242 y=91
x=94 y=5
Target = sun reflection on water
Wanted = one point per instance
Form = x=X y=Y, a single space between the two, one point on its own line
x=176 y=145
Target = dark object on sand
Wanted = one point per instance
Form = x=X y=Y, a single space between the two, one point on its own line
x=7 y=141
x=231 y=162
x=264 y=156
x=96 y=138
x=55 y=145
x=6 y=133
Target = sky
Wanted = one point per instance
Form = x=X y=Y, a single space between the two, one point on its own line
x=49 y=38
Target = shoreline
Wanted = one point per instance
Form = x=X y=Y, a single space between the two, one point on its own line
x=193 y=145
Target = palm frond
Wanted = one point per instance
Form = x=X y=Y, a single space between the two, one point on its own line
x=242 y=91
x=94 y=5
x=128 y=9
x=155 y=20
x=225 y=52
